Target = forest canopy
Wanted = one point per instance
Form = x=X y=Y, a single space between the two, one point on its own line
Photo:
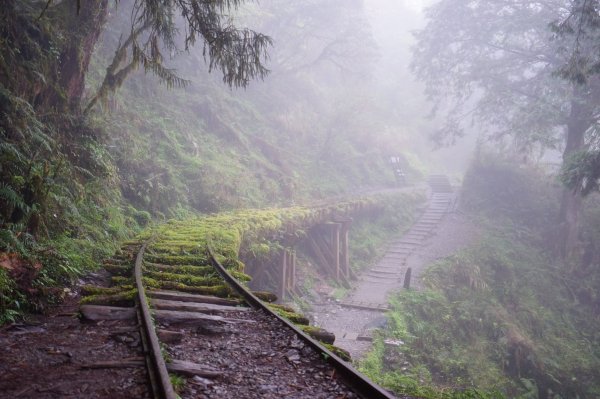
x=527 y=73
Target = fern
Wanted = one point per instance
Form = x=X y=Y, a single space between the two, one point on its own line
x=9 y=242
x=12 y=198
x=10 y=151
x=39 y=138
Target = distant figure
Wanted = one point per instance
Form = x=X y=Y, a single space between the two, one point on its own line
x=407 y=278
x=398 y=171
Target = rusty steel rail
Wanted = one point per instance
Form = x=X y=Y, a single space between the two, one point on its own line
x=350 y=375
x=155 y=363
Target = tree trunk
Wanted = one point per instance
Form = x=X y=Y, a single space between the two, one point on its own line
x=83 y=25
x=571 y=203
x=570 y=209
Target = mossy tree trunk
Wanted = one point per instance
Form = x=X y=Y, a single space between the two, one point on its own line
x=82 y=26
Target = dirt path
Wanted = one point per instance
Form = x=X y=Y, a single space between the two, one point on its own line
x=438 y=233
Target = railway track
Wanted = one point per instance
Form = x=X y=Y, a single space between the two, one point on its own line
x=205 y=335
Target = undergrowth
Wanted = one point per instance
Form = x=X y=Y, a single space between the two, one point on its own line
x=369 y=235
x=503 y=315
x=72 y=187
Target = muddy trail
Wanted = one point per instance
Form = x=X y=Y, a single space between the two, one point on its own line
x=438 y=232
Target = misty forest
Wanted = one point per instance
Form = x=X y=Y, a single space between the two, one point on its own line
x=411 y=184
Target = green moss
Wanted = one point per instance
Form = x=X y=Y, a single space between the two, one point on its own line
x=126 y=298
x=117 y=262
x=319 y=334
x=119 y=270
x=95 y=290
x=184 y=279
x=233 y=265
x=341 y=353
x=195 y=260
x=239 y=276
x=178 y=382
x=500 y=315
x=284 y=308
x=176 y=269
x=222 y=291
x=265 y=296
x=292 y=316
x=120 y=280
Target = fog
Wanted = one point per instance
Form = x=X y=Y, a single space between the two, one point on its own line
x=478 y=119
x=393 y=24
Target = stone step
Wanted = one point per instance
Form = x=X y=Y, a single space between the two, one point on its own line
x=391 y=265
x=383 y=274
x=393 y=260
x=379 y=283
x=403 y=251
x=415 y=237
x=424 y=223
x=386 y=270
x=433 y=215
x=378 y=278
x=425 y=232
x=365 y=305
x=414 y=243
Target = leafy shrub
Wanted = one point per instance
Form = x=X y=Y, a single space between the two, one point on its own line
x=503 y=313
x=11 y=300
x=501 y=188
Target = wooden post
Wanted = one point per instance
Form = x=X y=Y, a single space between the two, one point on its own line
x=293 y=271
x=290 y=271
x=335 y=250
x=344 y=244
x=282 y=285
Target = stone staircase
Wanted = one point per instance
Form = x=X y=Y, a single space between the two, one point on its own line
x=389 y=272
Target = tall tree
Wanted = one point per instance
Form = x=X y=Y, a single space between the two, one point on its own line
x=497 y=63
x=80 y=27
x=581 y=27
x=156 y=27
x=322 y=65
x=45 y=51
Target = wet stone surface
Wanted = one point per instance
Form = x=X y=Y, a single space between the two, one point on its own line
x=454 y=232
x=42 y=358
x=258 y=360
